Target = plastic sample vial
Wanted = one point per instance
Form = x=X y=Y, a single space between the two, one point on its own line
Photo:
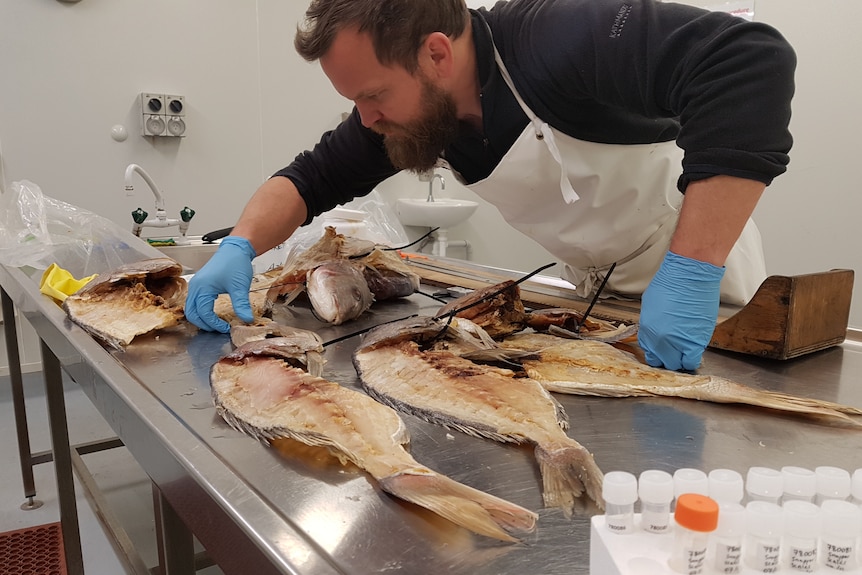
x=726 y=486
x=620 y=491
x=856 y=487
x=688 y=480
x=764 y=525
x=842 y=525
x=655 y=489
x=800 y=484
x=764 y=484
x=696 y=517
x=725 y=543
x=832 y=483
x=802 y=525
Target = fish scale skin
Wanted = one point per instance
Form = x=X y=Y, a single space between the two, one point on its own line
x=268 y=399
x=598 y=369
x=482 y=401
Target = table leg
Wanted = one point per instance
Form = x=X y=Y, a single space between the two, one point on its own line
x=62 y=460
x=16 y=379
x=175 y=541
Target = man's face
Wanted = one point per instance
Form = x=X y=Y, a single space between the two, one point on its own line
x=416 y=117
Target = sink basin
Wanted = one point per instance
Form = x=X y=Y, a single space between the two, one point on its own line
x=441 y=213
x=192 y=255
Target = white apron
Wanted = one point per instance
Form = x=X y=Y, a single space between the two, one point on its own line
x=591 y=205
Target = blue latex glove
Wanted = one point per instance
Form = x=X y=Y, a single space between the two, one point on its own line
x=228 y=271
x=678 y=312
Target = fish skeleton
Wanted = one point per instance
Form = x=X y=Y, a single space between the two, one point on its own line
x=130 y=300
x=257 y=393
x=498 y=309
x=594 y=368
x=441 y=387
x=338 y=291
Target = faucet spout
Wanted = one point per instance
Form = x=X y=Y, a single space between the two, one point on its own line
x=130 y=170
x=431 y=186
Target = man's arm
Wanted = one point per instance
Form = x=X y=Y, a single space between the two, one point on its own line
x=274 y=212
x=680 y=306
x=713 y=213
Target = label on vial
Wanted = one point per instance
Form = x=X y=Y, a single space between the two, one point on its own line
x=727 y=558
x=623 y=523
x=766 y=558
x=838 y=557
x=693 y=560
x=655 y=522
x=802 y=559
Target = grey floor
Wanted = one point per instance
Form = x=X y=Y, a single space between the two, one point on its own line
x=121 y=481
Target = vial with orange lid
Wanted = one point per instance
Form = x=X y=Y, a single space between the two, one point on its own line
x=696 y=517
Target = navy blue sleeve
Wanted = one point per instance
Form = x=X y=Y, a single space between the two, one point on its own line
x=346 y=163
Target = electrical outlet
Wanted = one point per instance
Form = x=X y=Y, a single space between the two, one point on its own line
x=162 y=115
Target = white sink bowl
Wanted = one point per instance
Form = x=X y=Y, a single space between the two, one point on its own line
x=192 y=255
x=441 y=213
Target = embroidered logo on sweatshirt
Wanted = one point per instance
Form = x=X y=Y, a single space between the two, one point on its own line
x=620 y=20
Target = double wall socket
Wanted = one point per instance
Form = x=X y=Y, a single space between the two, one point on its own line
x=163 y=115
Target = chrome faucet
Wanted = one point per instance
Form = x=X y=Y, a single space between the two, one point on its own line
x=431 y=186
x=161 y=220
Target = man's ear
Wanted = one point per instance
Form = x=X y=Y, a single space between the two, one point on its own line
x=436 y=56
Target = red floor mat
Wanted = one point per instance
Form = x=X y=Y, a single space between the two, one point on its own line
x=33 y=551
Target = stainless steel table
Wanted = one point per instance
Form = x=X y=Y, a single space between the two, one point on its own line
x=260 y=509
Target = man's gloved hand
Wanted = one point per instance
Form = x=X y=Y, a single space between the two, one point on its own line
x=678 y=312
x=228 y=271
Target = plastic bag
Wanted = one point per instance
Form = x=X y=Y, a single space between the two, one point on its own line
x=376 y=221
x=37 y=231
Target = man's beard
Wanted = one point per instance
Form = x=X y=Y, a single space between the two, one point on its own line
x=416 y=145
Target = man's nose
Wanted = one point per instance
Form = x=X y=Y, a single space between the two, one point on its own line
x=368 y=114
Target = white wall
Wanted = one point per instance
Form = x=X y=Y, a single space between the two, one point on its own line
x=69 y=72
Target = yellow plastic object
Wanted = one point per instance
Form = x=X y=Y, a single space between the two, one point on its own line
x=59 y=283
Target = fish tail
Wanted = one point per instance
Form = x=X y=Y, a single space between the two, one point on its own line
x=567 y=471
x=475 y=510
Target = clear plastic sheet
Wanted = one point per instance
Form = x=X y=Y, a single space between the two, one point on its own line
x=378 y=223
x=37 y=231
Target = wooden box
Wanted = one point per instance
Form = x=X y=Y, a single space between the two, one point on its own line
x=790 y=316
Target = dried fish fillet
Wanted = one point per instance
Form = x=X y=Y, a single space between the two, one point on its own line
x=265 y=397
x=594 y=368
x=398 y=369
x=129 y=301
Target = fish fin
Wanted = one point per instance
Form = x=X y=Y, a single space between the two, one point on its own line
x=471 y=508
x=314 y=363
x=567 y=471
x=721 y=390
x=435 y=418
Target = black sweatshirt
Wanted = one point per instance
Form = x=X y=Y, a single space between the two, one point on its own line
x=606 y=71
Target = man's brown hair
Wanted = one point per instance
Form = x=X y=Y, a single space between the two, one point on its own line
x=397 y=27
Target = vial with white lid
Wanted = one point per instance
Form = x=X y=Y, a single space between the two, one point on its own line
x=764 y=484
x=800 y=484
x=856 y=487
x=764 y=525
x=725 y=543
x=802 y=525
x=832 y=483
x=689 y=480
x=696 y=517
x=842 y=525
x=655 y=489
x=620 y=491
x=726 y=486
